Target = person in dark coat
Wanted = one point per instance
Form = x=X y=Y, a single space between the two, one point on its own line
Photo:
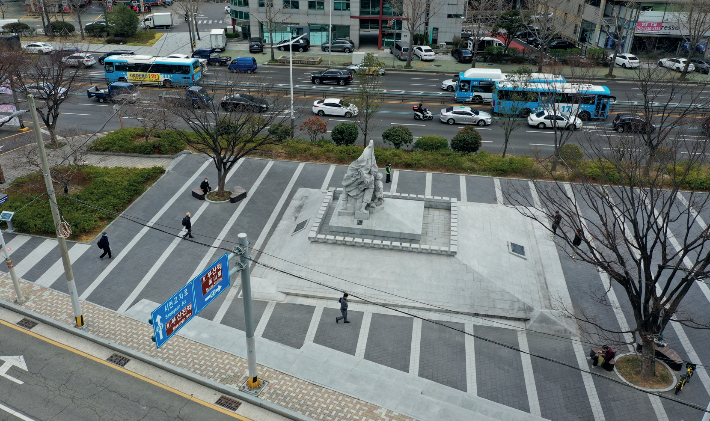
x=388 y=172
x=578 y=235
x=103 y=245
x=343 y=309
x=556 y=221
x=188 y=225
x=205 y=186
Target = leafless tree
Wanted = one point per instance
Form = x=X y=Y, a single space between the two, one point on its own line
x=482 y=14
x=227 y=138
x=509 y=117
x=191 y=8
x=618 y=25
x=551 y=18
x=415 y=14
x=78 y=13
x=151 y=116
x=368 y=96
x=625 y=214
x=272 y=18
x=3 y=8
x=693 y=18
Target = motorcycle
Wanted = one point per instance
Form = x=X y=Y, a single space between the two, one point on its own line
x=419 y=115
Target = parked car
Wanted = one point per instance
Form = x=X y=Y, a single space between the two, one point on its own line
x=424 y=53
x=464 y=115
x=79 y=60
x=243 y=102
x=529 y=37
x=299 y=45
x=43 y=90
x=461 y=55
x=357 y=67
x=343 y=46
x=627 y=61
x=548 y=119
x=450 y=84
x=39 y=48
x=562 y=44
x=96 y=22
x=346 y=40
x=632 y=123
x=701 y=65
x=115 y=53
x=255 y=46
x=213 y=58
x=341 y=77
x=243 y=64
x=676 y=64
x=334 y=106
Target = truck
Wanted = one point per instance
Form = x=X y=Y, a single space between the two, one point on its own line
x=211 y=56
x=218 y=39
x=158 y=20
x=196 y=96
x=115 y=92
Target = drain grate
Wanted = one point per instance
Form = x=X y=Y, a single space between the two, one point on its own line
x=27 y=323
x=228 y=403
x=119 y=360
x=300 y=226
x=517 y=249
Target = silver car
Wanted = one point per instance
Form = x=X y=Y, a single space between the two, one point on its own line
x=464 y=115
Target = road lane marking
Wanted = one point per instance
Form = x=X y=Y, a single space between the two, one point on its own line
x=427 y=184
x=462 y=186
x=15 y=413
x=529 y=376
x=469 y=343
x=35 y=256
x=362 y=337
x=53 y=273
x=499 y=191
x=540 y=144
x=415 y=348
x=328 y=176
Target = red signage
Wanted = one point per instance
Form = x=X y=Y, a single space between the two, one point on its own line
x=181 y=317
x=649 y=26
x=211 y=278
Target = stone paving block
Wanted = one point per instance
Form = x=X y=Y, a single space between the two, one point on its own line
x=341 y=337
x=442 y=356
x=289 y=323
x=389 y=341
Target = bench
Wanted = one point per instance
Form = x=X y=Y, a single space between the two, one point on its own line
x=608 y=365
x=665 y=354
x=198 y=194
x=239 y=193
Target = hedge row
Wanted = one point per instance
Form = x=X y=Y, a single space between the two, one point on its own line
x=112 y=189
x=132 y=140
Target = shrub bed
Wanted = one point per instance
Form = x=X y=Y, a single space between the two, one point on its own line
x=110 y=189
x=132 y=140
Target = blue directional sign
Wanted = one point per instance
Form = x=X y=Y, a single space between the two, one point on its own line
x=187 y=303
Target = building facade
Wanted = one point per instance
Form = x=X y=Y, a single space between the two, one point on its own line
x=366 y=22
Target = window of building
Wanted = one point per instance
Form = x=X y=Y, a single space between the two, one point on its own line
x=262 y=3
x=239 y=3
x=369 y=24
x=341 y=5
x=316 y=5
x=290 y=4
x=595 y=3
x=454 y=16
x=369 y=7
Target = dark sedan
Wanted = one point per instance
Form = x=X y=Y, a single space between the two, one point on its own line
x=461 y=55
x=339 y=76
x=701 y=65
x=299 y=45
x=562 y=44
x=243 y=102
x=256 y=47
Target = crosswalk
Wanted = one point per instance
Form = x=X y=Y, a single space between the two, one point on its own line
x=148 y=266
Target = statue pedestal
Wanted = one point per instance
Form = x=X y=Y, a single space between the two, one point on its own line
x=396 y=220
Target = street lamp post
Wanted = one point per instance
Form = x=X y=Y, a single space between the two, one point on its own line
x=290 y=76
x=330 y=28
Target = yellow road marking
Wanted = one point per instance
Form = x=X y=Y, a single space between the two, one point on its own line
x=130 y=373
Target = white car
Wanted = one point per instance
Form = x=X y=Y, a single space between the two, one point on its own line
x=549 y=119
x=357 y=67
x=43 y=90
x=334 y=106
x=676 y=64
x=464 y=115
x=424 y=53
x=203 y=61
x=627 y=61
x=79 y=60
x=450 y=84
x=39 y=48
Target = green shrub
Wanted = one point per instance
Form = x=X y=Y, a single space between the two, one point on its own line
x=467 y=140
x=62 y=28
x=17 y=28
x=130 y=140
x=116 y=40
x=431 y=143
x=122 y=21
x=280 y=131
x=97 y=30
x=571 y=154
x=398 y=136
x=345 y=134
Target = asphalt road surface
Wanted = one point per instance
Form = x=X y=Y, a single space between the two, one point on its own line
x=62 y=383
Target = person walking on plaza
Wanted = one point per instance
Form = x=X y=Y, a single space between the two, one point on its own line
x=556 y=221
x=343 y=309
x=188 y=225
x=205 y=186
x=388 y=171
x=103 y=245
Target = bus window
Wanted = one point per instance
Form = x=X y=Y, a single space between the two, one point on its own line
x=464 y=87
x=108 y=67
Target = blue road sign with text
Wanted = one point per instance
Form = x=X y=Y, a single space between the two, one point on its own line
x=187 y=303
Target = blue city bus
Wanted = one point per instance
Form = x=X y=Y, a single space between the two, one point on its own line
x=587 y=102
x=163 y=71
x=477 y=84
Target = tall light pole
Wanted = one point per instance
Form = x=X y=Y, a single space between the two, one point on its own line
x=15 y=281
x=330 y=28
x=290 y=76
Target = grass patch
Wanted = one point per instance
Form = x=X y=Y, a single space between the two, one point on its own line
x=219 y=196
x=629 y=367
x=112 y=189
x=133 y=140
x=139 y=39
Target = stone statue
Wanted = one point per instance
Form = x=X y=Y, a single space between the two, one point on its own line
x=360 y=195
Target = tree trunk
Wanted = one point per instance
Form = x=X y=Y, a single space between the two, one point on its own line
x=411 y=48
x=541 y=58
x=364 y=130
x=648 y=358
x=612 y=64
x=221 y=178
x=271 y=34
x=81 y=27
x=505 y=144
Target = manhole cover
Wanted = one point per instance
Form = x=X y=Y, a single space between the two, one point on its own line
x=300 y=226
x=517 y=249
x=228 y=403
x=27 y=323
x=119 y=360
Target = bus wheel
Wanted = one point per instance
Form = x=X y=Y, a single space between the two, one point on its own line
x=585 y=116
x=478 y=98
x=168 y=83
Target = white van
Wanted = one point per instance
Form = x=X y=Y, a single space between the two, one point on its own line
x=400 y=49
x=484 y=43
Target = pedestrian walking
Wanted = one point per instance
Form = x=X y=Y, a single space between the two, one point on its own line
x=188 y=225
x=103 y=245
x=343 y=309
x=205 y=186
x=388 y=172
x=556 y=221
x=577 y=240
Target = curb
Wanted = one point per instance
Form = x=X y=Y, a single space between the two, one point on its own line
x=236 y=393
x=140 y=155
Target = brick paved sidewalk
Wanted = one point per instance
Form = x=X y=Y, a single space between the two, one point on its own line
x=287 y=391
